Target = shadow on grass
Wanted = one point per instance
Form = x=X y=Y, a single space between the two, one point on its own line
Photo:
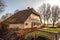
x=37 y=38
x=42 y=38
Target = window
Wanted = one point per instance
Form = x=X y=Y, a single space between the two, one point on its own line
x=35 y=24
x=26 y=24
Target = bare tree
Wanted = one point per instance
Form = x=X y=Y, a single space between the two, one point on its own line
x=48 y=13
x=7 y=15
x=55 y=11
x=45 y=11
x=42 y=9
x=2 y=6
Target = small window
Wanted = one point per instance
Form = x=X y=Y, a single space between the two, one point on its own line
x=33 y=23
x=26 y=24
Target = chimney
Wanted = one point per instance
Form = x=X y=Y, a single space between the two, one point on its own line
x=28 y=7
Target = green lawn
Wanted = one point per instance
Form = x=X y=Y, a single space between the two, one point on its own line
x=52 y=29
x=38 y=33
x=44 y=34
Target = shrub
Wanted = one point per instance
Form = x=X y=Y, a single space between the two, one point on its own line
x=4 y=26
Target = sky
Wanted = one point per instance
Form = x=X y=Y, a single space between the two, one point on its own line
x=13 y=5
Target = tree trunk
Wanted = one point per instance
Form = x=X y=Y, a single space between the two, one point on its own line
x=47 y=23
x=53 y=23
x=44 y=21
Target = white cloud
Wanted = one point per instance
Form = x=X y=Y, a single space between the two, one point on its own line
x=53 y=2
x=35 y=3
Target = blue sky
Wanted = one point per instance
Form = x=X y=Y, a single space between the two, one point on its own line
x=12 y=5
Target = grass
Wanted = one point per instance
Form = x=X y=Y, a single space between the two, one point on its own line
x=52 y=29
x=38 y=33
x=43 y=34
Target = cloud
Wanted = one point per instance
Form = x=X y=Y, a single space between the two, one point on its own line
x=53 y=2
x=35 y=3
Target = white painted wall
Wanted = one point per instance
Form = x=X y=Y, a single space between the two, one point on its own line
x=29 y=23
x=16 y=25
x=33 y=16
x=36 y=19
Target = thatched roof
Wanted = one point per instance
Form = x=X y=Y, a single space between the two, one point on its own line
x=20 y=16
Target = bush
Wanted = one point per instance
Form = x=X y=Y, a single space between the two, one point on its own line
x=4 y=26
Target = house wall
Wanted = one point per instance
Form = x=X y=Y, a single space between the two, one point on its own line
x=33 y=16
x=30 y=19
x=27 y=23
x=36 y=19
x=16 y=25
